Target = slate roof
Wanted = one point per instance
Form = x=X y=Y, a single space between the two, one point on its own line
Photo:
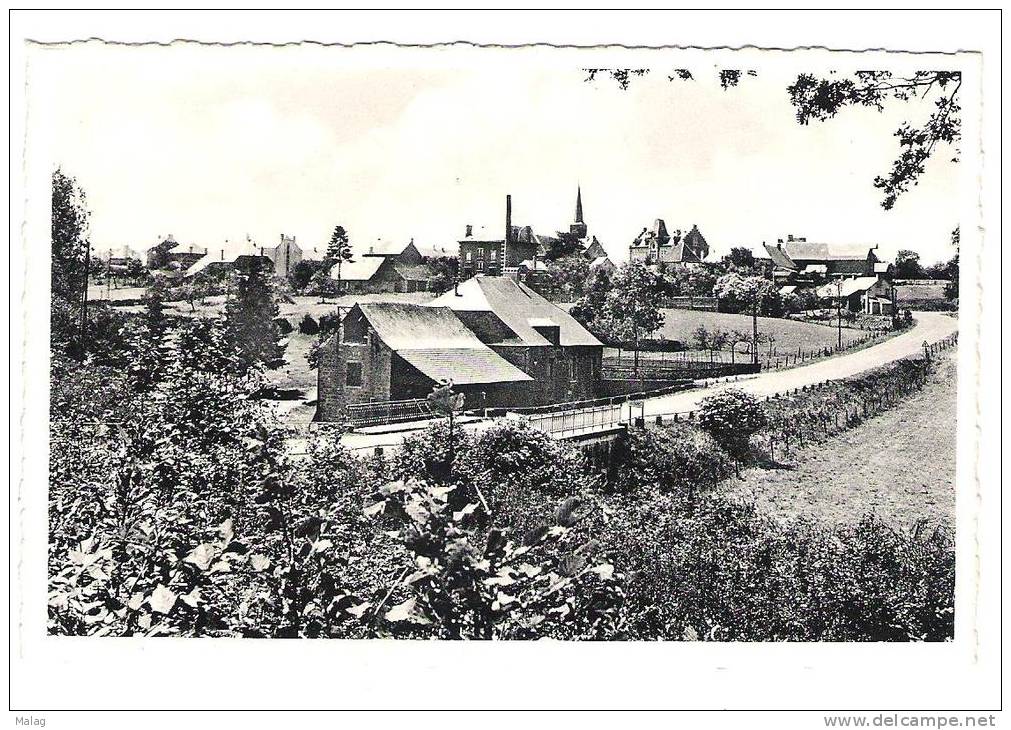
x=436 y=343
x=225 y=253
x=515 y=305
x=416 y=272
x=361 y=269
x=803 y=250
x=847 y=287
x=779 y=257
x=679 y=253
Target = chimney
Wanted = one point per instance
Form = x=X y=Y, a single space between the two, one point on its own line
x=470 y=230
x=789 y=238
x=779 y=242
x=508 y=231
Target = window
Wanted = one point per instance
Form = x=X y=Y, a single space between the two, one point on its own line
x=493 y=254
x=480 y=253
x=573 y=371
x=467 y=256
x=480 y=265
x=353 y=374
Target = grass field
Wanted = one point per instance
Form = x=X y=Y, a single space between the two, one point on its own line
x=680 y=323
x=910 y=294
x=899 y=465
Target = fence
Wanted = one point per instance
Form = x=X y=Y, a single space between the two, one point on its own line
x=380 y=413
x=770 y=358
x=578 y=420
x=705 y=304
x=684 y=369
x=835 y=406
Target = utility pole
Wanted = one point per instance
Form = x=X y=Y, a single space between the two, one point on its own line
x=84 y=297
x=838 y=309
x=754 y=330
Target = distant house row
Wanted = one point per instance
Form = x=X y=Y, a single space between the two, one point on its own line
x=850 y=272
x=498 y=341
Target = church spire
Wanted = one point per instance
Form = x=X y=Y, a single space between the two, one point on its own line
x=579 y=205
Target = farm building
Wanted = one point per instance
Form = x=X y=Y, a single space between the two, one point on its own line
x=526 y=329
x=797 y=261
x=385 y=267
x=868 y=294
x=396 y=352
x=229 y=257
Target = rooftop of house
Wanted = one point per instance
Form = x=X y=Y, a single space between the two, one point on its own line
x=847 y=287
x=436 y=343
x=226 y=253
x=516 y=305
x=360 y=269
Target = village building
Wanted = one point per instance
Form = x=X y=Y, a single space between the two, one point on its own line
x=867 y=294
x=536 y=336
x=229 y=257
x=798 y=261
x=386 y=267
x=519 y=248
x=395 y=352
x=654 y=245
x=117 y=259
x=285 y=255
x=170 y=254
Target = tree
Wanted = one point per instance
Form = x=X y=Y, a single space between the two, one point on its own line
x=821 y=99
x=740 y=258
x=594 y=300
x=323 y=285
x=565 y=279
x=250 y=315
x=738 y=294
x=69 y=263
x=907 y=265
x=303 y=273
x=338 y=251
x=631 y=308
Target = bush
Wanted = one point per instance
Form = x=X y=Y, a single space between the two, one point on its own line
x=675 y=459
x=283 y=326
x=308 y=325
x=732 y=417
x=725 y=572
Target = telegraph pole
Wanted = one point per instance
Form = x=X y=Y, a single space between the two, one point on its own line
x=84 y=297
x=754 y=331
x=838 y=309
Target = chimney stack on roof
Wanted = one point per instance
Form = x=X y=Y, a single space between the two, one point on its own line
x=470 y=230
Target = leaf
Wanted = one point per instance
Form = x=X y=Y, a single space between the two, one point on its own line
x=226 y=531
x=690 y=634
x=359 y=610
x=374 y=509
x=321 y=545
x=136 y=601
x=201 y=556
x=406 y=611
x=604 y=570
x=469 y=509
x=192 y=598
x=259 y=562
x=162 y=600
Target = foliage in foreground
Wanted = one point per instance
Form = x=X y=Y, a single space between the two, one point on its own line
x=724 y=572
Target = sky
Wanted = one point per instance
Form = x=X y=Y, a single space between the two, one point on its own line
x=220 y=143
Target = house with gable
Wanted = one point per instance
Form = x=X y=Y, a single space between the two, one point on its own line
x=654 y=245
x=387 y=267
x=387 y=351
x=539 y=338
